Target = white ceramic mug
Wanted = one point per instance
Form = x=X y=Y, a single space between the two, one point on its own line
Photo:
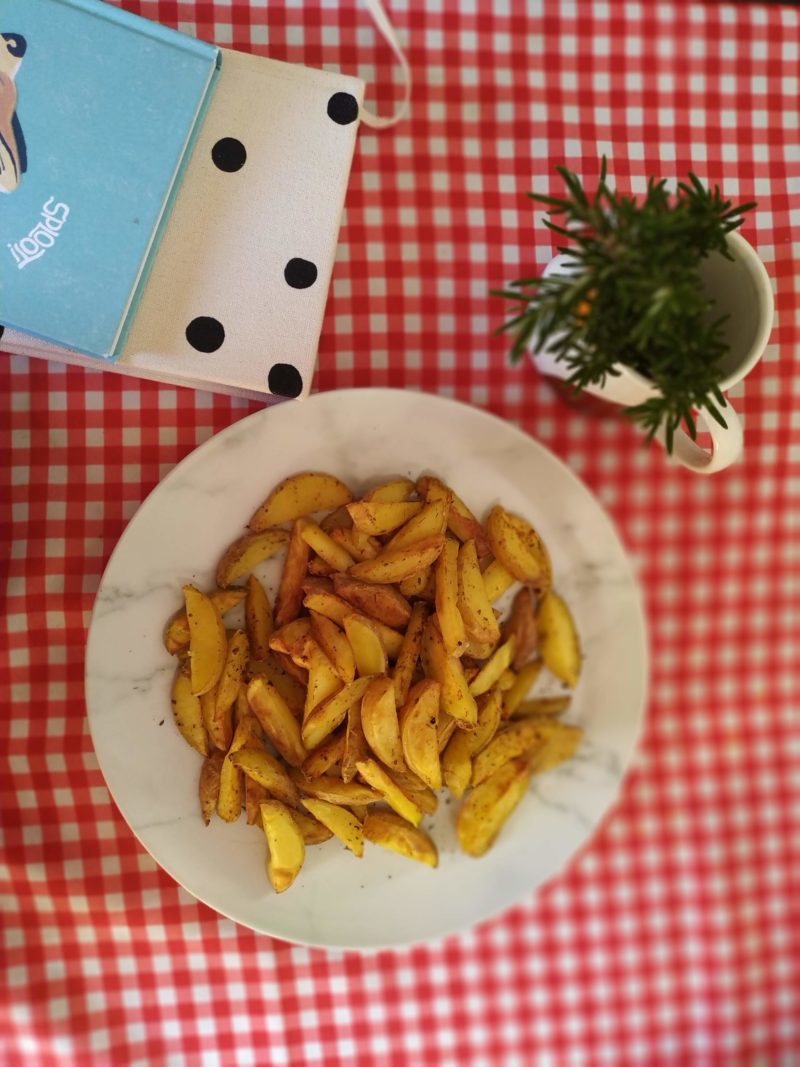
x=740 y=289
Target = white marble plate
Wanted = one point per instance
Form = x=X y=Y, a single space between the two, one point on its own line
x=177 y=536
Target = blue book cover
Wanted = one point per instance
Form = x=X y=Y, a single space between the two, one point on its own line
x=98 y=113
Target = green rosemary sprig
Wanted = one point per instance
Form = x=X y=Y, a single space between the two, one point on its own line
x=633 y=294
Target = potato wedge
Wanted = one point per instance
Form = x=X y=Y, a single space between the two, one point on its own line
x=276 y=719
x=395 y=564
x=208 y=642
x=292 y=691
x=380 y=779
x=421 y=795
x=379 y=724
x=497 y=580
x=338 y=519
x=290 y=591
x=523 y=684
x=418 y=722
x=369 y=653
x=474 y=605
x=419 y=585
x=460 y=519
x=394 y=491
x=356 y=543
x=319 y=568
x=231 y=784
x=291 y=639
x=300 y=674
x=430 y=521
x=521 y=623
x=450 y=622
x=232 y=673
x=340 y=822
x=219 y=726
x=375 y=518
x=188 y=712
x=456 y=698
x=355 y=743
x=388 y=830
x=245 y=554
x=267 y=772
x=258 y=618
x=445 y=729
x=325 y=756
x=323 y=544
x=314 y=833
x=561 y=742
x=524 y=736
x=287 y=849
x=334 y=790
x=209 y=785
x=457 y=763
x=487 y=807
x=542 y=707
x=323 y=680
x=518 y=547
x=254 y=794
x=490 y=716
x=409 y=654
x=176 y=632
x=381 y=602
x=491 y=672
x=324 y=719
x=335 y=646
x=558 y=639
x=336 y=609
x=299 y=495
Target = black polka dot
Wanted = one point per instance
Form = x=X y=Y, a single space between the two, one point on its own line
x=229 y=154
x=285 y=380
x=2 y=330
x=343 y=108
x=205 y=334
x=300 y=273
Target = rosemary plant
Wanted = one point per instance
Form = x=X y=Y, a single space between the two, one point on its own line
x=633 y=294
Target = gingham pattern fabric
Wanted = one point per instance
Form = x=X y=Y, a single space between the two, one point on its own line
x=674 y=937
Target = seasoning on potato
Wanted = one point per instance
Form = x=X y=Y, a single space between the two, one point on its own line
x=386 y=674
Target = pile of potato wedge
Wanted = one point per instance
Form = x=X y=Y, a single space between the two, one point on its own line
x=381 y=675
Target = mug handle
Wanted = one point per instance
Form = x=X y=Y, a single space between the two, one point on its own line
x=727 y=443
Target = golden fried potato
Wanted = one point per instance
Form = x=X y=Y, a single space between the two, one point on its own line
x=292 y=691
x=409 y=654
x=490 y=716
x=335 y=646
x=474 y=605
x=421 y=585
x=258 y=618
x=496 y=580
x=523 y=684
x=456 y=698
x=324 y=719
x=446 y=578
x=340 y=822
x=219 y=725
x=394 y=491
x=231 y=786
x=325 y=757
x=380 y=779
x=552 y=741
x=314 y=833
x=245 y=554
x=290 y=591
x=378 y=716
x=542 y=707
x=188 y=712
x=457 y=763
x=367 y=648
x=176 y=632
x=488 y=806
x=267 y=772
x=518 y=547
x=232 y=672
x=291 y=639
x=491 y=672
x=336 y=609
x=375 y=518
x=460 y=520
x=276 y=719
x=521 y=623
x=418 y=731
x=356 y=543
x=558 y=639
x=323 y=679
x=208 y=642
x=209 y=785
x=355 y=742
x=430 y=521
x=299 y=495
x=323 y=544
x=395 y=564
x=445 y=729
x=382 y=602
x=253 y=796
x=338 y=519
x=388 y=830
x=287 y=850
x=334 y=790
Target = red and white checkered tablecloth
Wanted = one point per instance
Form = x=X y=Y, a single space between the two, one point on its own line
x=674 y=938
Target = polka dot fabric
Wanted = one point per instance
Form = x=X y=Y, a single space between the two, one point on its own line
x=674 y=938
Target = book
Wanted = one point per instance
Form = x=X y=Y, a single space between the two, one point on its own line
x=99 y=110
x=235 y=297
